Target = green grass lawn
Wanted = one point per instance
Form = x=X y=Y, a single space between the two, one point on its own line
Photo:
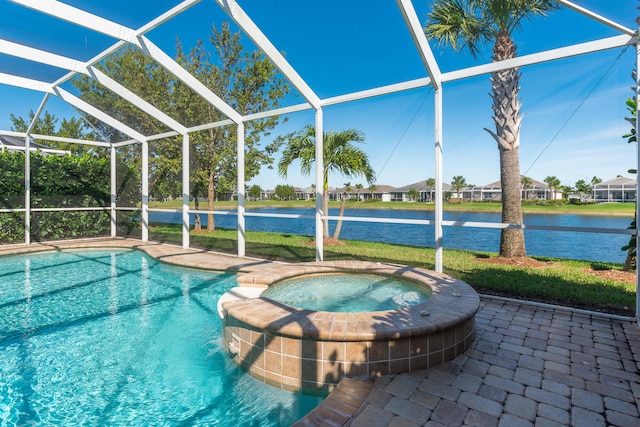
x=563 y=282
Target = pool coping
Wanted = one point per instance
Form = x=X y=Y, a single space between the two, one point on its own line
x=452 y=300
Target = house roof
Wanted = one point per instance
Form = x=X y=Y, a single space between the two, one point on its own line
x=12 y=142
x=618 y=181
x=497 y=185
x=421 y=186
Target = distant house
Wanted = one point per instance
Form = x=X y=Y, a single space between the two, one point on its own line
x=492 y=192
x=427 y=194
x=619 y=189
x=300 y=194
x=308 y=193
x=11 y=143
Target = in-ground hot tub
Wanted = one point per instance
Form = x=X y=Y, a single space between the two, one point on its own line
x=309 y=351
x=347 y=292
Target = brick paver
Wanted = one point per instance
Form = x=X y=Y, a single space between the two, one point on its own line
x=529 y=366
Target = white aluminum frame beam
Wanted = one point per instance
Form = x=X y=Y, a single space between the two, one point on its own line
x=80 y=17
x=236 y=13
x=48 y=58
x=538 y=58
x=25 y=83
x=241 y=191
x=96 y=23
x=125 y=93
x=596 y=17
x=435 y=77
x=93 y=111
x=185 y=190
x=421 y=42
x=319 y=122
x=174 y=68
x=143 y=30
x=42 y=56
x=438 y=157
x=107 y=119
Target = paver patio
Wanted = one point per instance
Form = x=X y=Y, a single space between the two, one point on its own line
x=530 y=365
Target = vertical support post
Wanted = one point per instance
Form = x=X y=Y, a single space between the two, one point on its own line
x=145 y=191
x=27 y=189
x=27 y=171
x=319 y=187
x=438 y=158
x=185 y=190
x=113 y=192
x=637 y=126
x=241 y=185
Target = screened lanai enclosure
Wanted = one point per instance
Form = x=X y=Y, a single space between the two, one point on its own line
x=191 y=101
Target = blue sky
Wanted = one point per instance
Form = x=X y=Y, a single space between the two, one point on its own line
x=574 y=108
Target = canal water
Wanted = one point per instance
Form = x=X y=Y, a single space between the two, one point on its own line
x=556 y=244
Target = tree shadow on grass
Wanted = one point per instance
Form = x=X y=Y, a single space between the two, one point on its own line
x=543 y=285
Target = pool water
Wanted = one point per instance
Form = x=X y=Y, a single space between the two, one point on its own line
x=347 y=293
x=115 y=338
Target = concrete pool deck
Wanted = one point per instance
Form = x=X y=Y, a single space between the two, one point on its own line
x=529 y=365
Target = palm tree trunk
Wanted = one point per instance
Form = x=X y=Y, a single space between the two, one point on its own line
x=336 y=233
x=196 y=203
x=210 y=204
x=325 y=211
x=511 y=239
x=506 y=108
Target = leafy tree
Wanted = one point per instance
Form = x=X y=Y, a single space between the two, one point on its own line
x=630 y=262
x=471 y=24
x=47 y=124
x=246 y=80
x=458 y=183
x=285 y=192
x=255 y=192
x=339 y=152
x=554 y=184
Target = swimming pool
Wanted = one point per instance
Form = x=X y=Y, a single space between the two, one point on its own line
x=116 y=338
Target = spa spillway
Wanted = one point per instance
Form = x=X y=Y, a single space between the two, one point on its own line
x=307 y=350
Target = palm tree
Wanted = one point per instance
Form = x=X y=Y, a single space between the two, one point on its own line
x=372 y=189
x=413 y=194
x=359 y=188
x=339 y=154
x=566 y=191
x=583 y=188
x=594 y=181
x=526 y=185
x=430 y=183
x=470 y=24
x=458 y=184
x=554 y=184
